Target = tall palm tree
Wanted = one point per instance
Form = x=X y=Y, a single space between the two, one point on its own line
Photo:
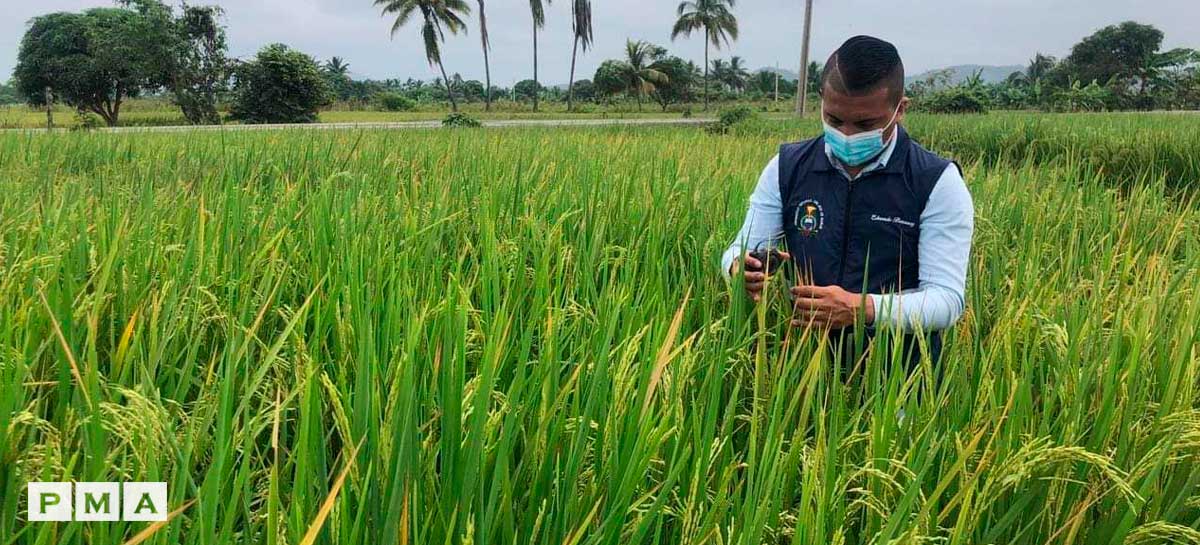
x=581 y=27
x=337 y=67
x=538 y=9
x=487 y=69
x=737 y=74
x=438 y=16
x=718 y=23
x=640 y=75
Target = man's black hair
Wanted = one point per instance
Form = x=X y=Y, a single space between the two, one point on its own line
x=862 y=65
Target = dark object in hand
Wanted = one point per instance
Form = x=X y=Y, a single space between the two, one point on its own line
x=772 y=259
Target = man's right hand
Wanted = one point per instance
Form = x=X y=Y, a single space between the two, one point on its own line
x=754 y=276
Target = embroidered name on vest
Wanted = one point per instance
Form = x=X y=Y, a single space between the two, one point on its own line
x=892 y=219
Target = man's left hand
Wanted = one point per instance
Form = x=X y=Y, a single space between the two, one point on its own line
x=829 y=307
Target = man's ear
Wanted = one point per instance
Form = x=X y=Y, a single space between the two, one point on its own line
x=904 y=101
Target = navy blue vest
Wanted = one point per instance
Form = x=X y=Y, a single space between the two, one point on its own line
x=861 y=235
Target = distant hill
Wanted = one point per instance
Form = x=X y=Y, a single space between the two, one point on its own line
x=991 y=74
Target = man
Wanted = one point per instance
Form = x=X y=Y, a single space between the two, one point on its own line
x=877 y=228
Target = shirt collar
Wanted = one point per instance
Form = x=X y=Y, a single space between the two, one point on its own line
x=878 y=163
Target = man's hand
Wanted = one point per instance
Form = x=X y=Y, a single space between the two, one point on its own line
x=829 y=307
x=755 y=278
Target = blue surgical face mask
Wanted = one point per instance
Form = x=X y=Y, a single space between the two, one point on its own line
x=860 y=148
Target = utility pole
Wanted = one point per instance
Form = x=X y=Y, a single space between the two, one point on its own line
x=777 y=82
x=802 y=85
x=49 y=108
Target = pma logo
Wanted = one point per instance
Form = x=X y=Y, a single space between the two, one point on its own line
x=56 y=501
x=810 y=217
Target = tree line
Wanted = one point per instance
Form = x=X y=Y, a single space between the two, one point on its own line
x=97 y=59
x=1119 y=67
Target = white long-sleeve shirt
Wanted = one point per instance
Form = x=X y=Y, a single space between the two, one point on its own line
x=943 y=249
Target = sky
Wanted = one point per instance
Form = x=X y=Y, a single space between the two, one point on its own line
x=929 y=33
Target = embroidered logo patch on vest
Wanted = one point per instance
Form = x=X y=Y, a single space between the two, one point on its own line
x=810 y=217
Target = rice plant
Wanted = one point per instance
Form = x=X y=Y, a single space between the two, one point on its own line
x=521 y=336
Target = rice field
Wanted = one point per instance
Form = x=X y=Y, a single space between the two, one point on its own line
x=521 y=336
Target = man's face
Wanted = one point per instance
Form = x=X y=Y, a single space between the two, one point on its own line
x=854 y=114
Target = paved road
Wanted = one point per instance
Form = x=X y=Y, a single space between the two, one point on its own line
x=401 y=125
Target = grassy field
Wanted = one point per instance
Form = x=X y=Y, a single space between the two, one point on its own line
x=521 y=336
x=157 y=112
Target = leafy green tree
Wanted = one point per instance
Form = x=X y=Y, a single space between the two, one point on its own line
x=93 y=60
x=472 y=91
x=437 y=17
x=581 y=29
x=714 y=18
x=1117 y=54
x=201 y=69
x=8 y=94
x=610 y=78
x=527 y=89
x=677 y=86
x=583 y=90
x=538 y=9
x=281 y=85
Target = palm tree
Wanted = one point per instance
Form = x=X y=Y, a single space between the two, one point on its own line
x=438 y=16
x=737 y=75
x=719 y=72
x=337 y=67
x=714 y=17
x=640 y=75
x=1039 y=67
x=539 y=20
x=487 y=69
x=581 y=27
x=814 y=76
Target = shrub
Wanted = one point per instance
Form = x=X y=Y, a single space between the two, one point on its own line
x=735 y=115
x=731 y=117
x=281 y=85
x=1077 y=98
x=583 y=107
x=956 y=100
x=461 y=120
x=86 y=121
x=394 y=102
